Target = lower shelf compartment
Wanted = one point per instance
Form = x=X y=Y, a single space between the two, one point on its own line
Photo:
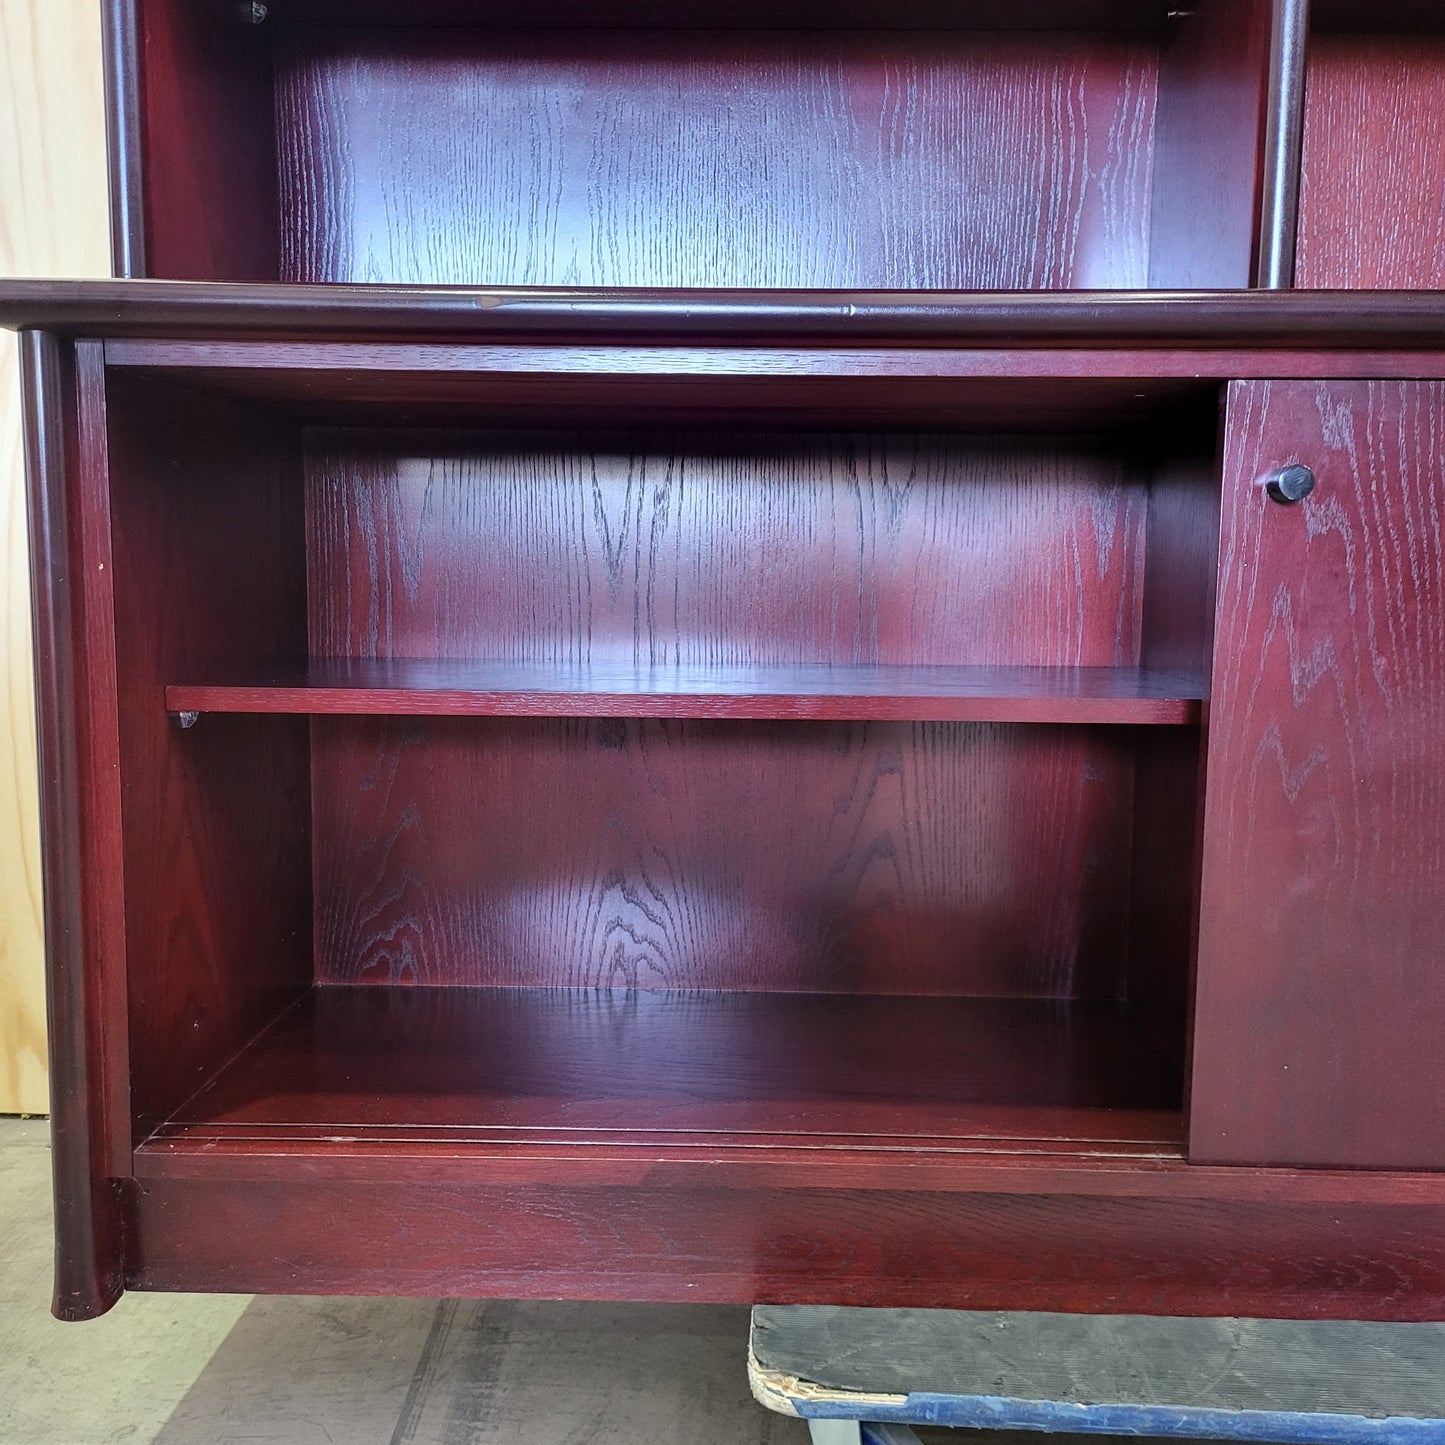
x=391 y=1065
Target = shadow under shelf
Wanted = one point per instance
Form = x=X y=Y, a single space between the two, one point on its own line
x=400 y=1068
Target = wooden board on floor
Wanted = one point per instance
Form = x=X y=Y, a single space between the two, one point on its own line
x=1214 y=1379
x=53 y=222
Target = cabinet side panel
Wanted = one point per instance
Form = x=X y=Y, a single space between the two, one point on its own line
x=205 y=180
x=88 y=1263
x=1213 y=86
x=1177 y=631
x=1320 y=1006
x=1372 y=184
x=803 y=1246
x=643 y=158
x=207 y=512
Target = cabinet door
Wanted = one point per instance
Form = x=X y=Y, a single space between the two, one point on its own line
x=1319 y=1033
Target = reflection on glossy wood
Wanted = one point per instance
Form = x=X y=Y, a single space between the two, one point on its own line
x=883 y=857
x=1320 y=1007
x=623 y=1062
x=728 y=550
x=646 y=159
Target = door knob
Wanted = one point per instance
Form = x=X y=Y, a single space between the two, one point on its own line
x=1290 y=484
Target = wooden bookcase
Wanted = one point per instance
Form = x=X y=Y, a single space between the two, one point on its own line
x=674 y=666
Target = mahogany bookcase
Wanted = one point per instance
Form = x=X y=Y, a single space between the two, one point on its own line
x=794 y=655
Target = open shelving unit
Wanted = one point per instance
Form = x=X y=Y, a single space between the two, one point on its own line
x=592 y=765
x=673 y=663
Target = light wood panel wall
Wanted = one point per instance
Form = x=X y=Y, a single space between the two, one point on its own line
x=53 y=221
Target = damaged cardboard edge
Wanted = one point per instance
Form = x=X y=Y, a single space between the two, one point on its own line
x=783 y=1392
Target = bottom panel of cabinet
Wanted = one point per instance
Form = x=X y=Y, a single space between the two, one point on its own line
x=381 y=1066
x=995 y=1251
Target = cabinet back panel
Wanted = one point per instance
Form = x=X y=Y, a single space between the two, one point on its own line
x=1372 y=184
x=728 y=550
x=876 y=858
x=930 y=160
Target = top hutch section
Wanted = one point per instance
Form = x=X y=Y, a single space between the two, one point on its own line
x=916 y=145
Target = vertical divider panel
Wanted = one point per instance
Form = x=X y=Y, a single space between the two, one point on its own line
x=193 y=101
x=1177 y=632
x=1214 y=87
x=206 y=508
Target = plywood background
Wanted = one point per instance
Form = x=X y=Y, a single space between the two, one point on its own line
x=53 y=221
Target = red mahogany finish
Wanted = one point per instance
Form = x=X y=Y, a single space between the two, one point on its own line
x=1320 y=960
x=361 y=687
x=720 y=707
x=1372 y=181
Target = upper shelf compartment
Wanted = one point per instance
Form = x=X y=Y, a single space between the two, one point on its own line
x=926 y=144
x=1372 y=176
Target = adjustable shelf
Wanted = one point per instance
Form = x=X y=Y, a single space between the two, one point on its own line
x=404 y=686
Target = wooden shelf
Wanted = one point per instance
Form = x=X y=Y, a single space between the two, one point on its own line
x=926 y=694
x=450 y=1065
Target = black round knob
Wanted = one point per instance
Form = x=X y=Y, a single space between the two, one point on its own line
x=1290 y=484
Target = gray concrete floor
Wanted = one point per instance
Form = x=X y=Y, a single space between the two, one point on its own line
x=218 y=1369
x=242 y=1370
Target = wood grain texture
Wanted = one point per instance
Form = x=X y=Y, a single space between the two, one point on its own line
x=1320 y=1003
x=886 y=859
x=23 y=1057
x=206 y=506
x=1372 y=183
x=571 y=1065
x=879 y=858
x=731 y=550
x=52 y=221
x=649 y=159
x=816 y=1246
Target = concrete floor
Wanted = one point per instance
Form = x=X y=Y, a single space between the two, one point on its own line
x=242 y=1370
x=228 y=1369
